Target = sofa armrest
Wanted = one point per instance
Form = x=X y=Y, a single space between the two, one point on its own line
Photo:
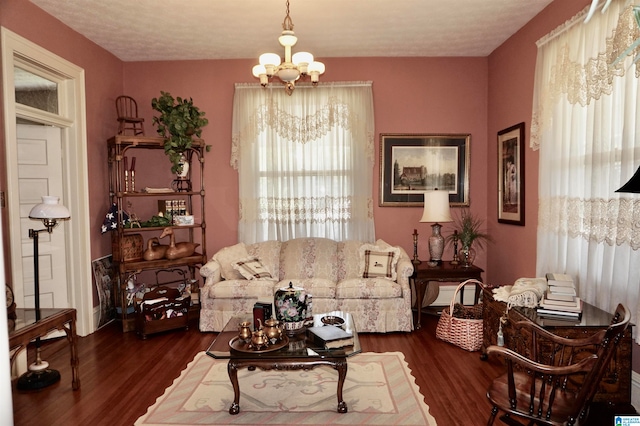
x=211 y=271
x=404 y=270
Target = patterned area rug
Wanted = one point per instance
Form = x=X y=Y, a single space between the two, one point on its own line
x=379 y=389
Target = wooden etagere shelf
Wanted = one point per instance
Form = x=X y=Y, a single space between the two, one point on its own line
x=119 y=147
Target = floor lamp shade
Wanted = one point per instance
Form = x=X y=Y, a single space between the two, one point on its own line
x=49 y=209
x=436 y=209
x=633 y=185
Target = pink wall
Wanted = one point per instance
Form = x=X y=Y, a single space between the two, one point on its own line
x=479 y=96
x=411 y=95
x=510 y=98
x=103 y=82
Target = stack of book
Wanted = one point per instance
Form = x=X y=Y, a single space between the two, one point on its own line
x=329 y=337
x=560 y=299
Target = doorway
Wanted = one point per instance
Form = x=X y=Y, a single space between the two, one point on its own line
x=68 y=118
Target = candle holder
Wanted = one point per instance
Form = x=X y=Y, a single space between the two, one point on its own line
x=415 y=261
x=455 y=260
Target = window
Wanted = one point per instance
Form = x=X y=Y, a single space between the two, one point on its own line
x=305 y=161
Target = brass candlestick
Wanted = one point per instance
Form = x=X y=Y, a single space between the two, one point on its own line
x=416 y=261
x=455 y=260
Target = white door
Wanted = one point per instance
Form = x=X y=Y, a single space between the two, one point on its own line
x=40 y=173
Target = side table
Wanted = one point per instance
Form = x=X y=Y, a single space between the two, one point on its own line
x=26 y=328
x=423 y=274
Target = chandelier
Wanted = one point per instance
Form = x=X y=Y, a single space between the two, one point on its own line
x=299 y=65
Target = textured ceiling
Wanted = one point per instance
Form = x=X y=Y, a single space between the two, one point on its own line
x=147 y=30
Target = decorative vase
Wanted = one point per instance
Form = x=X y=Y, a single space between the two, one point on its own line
x=467 y=256
x=184 y=163
x=293 y=307
x=436 y=243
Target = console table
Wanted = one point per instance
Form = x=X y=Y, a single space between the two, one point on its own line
x=423 y=274
x=25 y=328
x=615 y=386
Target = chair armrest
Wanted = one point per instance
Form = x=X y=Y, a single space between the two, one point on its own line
x=594 y=339
x=583 y=365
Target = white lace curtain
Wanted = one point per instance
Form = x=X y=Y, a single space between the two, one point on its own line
x=305 y=161
x=586 y=124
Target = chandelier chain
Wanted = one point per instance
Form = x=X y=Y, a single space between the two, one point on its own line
x=287 y=24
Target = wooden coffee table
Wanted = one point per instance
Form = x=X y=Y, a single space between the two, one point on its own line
x=298 y=354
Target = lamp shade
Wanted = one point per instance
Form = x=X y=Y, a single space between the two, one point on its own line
x=49 y=209
x=633 y=185
x=436 y=207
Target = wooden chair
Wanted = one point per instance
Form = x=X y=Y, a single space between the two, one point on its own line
x=556 y=381
x=128 y=119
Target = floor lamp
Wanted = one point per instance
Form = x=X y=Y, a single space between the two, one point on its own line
x=49 y=211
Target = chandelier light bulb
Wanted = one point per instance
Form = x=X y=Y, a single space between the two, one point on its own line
x=302 y=61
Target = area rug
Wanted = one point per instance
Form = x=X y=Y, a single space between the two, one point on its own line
x=379 y=390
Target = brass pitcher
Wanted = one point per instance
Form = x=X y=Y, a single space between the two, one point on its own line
x=259 y=340
x=245 y=331
x=273 y=330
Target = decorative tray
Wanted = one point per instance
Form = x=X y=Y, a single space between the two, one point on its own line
x=239 y=345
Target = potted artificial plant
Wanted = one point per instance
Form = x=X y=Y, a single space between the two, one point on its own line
x=469 y=234
x=179 y=120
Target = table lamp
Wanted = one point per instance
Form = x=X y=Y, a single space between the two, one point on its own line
x=49 y=211
x=436 y=209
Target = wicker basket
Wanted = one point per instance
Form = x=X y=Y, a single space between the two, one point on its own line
x=132 y=248
x=463 y=332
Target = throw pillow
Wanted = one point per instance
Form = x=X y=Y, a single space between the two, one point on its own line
x=251 y=268
x=378 y=262
x=226 y=256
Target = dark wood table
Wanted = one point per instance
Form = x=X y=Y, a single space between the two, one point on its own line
x=25 y=328
x=424 y=274
x=615 y=387
x=298 y=354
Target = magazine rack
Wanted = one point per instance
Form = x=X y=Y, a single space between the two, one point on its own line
x=162 y=309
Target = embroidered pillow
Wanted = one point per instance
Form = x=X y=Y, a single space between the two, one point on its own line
x=226 y=256
x=378 y=262
x=251 y=268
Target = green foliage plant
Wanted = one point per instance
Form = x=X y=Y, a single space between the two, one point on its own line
x=178 y=121
x=469 y=229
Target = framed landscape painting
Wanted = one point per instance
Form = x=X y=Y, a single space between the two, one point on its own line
x=511 y=175
x=411 y=164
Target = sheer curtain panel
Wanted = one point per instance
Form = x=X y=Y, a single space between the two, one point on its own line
x=305 y=161
x=585 y=123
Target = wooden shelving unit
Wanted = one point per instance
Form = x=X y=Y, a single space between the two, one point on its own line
x=119 y=147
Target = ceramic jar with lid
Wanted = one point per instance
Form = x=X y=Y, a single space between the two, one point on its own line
x=293 y=307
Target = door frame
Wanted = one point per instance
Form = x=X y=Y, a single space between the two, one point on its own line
x=71 y=119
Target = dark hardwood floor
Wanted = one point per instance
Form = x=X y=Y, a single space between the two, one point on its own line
x=122 y=375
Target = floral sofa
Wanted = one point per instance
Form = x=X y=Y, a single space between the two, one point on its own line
x=370 y=281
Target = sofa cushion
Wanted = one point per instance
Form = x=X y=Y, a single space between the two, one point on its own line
x=378 y=262
x=242 y=289
x=309 y=258
x=226 y=256
x=317 y=287
x=368 y=288
x=268 y=252
x=251 y=268
x=349 y=259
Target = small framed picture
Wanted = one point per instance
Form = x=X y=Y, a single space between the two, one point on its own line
x=511 y=175
x=411 y=164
